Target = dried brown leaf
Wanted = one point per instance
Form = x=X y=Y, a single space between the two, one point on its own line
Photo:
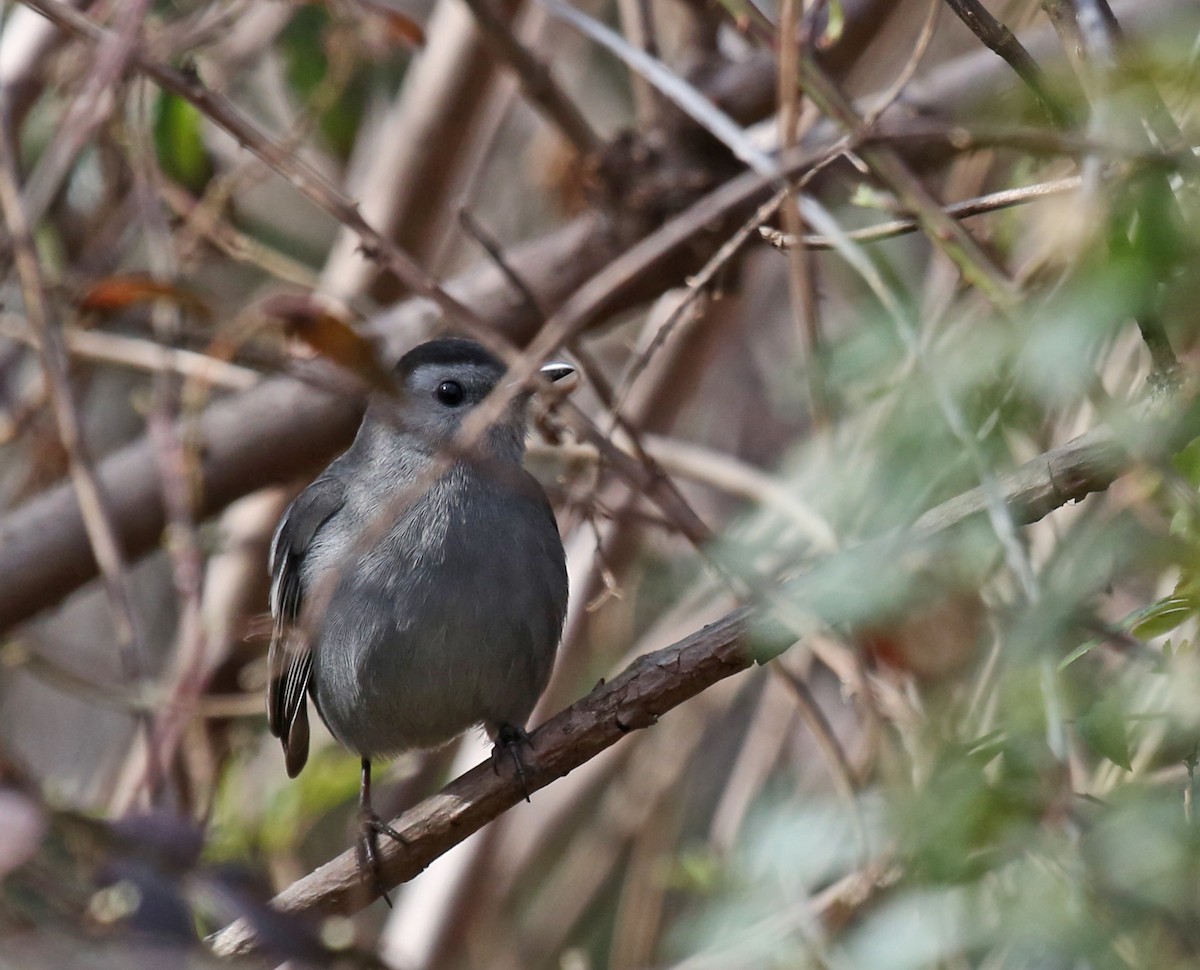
x=115 y=293
x=330 y=334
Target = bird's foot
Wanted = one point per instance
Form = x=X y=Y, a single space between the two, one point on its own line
x=370 y=827
x=509 y=740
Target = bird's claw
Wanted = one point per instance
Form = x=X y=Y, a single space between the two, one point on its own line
x=370 y=827
x=508 y=740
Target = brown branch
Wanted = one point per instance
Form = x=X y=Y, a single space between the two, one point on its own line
x=635 y=699
x=537 y=83
x=139 y=354
x=657 y=682
x=45 y=543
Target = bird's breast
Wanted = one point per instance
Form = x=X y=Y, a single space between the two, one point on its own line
x=450 y=620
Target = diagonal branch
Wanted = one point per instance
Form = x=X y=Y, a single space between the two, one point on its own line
x=1001 y=41
x=537 y=83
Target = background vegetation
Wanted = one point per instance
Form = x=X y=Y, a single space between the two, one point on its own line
x=886 y=318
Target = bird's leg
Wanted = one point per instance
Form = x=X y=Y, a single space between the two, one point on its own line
x=508 y=739
x=370 y=826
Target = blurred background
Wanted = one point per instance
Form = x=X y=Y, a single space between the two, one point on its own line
x=897 y=298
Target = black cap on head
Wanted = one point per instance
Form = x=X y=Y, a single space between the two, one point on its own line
x=449 y=351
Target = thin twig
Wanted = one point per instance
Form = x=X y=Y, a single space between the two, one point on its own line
x=1000 y=40
x=697 y=285
x=1095 y=27
x=489 y=244
x=801 y=283
x=202 y=221
x=992 y=202
x=176 y=460
x=1106 y=45
x=977 y=267
x=896 y=89
x=827 y=740
x=637 y=21
x=90 y=109
x=139 y=354
x=1091 y=25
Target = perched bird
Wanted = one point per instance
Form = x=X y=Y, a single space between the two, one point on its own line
x=417 y=591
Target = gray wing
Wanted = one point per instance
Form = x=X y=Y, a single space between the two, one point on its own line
x=289 y=660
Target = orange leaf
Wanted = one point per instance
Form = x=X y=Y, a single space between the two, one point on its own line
x=329 y=335
x=115 y=293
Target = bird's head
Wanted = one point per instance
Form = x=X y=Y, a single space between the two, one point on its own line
x=441 y=381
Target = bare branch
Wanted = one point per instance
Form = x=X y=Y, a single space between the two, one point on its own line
x=537 y=82
x=992 y=202
x=139 y=354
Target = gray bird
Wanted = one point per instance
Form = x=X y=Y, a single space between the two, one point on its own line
x=445 y=588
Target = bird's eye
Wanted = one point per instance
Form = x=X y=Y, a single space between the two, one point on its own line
x=450 y=393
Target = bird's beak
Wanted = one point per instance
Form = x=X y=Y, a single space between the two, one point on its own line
x=558 y=373
x=556 y=370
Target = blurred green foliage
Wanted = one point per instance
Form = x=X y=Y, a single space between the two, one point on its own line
x=179 y=142
x=1035 y=810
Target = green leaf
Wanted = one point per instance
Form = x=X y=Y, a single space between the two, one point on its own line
x=1187 y=461
x=867 y=196
x=1080 y=651
x=1164 y=616
x=1105 y=730
x=179 y=143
